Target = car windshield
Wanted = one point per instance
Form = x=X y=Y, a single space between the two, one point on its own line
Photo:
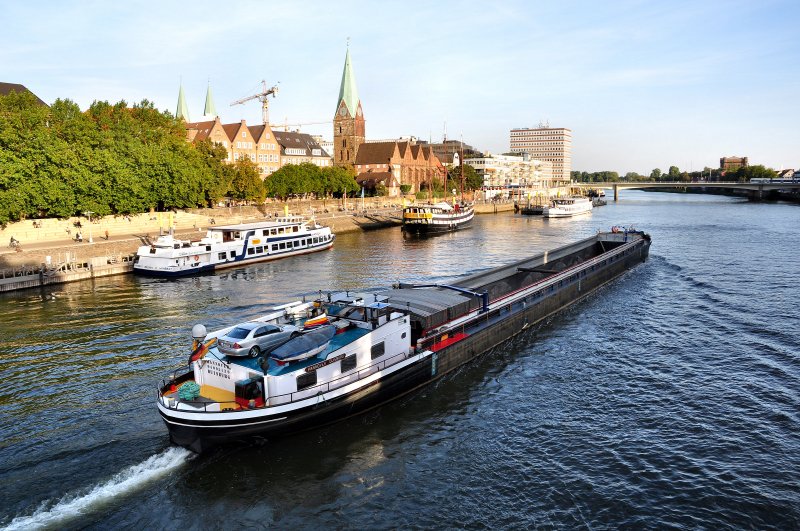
x=238 y=333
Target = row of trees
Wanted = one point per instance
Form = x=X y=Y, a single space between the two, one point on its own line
x=59 y=161
x=674 y=174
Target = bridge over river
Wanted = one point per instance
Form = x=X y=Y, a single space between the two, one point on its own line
x=757 y=189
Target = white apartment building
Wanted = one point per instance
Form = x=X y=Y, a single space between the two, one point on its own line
x=551 y=144
x=505 y=174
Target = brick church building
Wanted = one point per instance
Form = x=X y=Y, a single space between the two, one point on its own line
x=392 y=163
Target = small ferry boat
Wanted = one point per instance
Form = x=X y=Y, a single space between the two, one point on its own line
x=377 y=345
x=567 y=207
x=435 y=218
x=232 y=245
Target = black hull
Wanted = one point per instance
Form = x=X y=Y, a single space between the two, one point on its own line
x=421 y=229
x=506 y=323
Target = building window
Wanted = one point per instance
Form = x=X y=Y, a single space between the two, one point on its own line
x=244 y=134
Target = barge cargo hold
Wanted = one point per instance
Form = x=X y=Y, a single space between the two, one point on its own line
x=388 y=343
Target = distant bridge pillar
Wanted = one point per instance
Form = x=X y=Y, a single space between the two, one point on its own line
x=616 y=193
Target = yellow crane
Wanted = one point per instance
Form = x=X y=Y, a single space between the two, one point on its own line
x=263 y=98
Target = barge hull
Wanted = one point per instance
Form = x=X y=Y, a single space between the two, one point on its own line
x=500 y=325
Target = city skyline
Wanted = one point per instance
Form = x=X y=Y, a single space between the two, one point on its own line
x=641 y=86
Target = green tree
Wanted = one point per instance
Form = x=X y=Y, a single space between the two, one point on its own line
x=655 y=174
x=246 y=184
x=472 y=181
x=674 y=173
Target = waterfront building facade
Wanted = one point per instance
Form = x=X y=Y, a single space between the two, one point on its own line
x=256 y=143
x=348 y=121
x=505 y=175
x=550 y=144
x=297 y=148
x=732 y=163
x=449 y=151
x=395 y=163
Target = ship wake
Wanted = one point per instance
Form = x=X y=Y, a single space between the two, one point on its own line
x=53 y=513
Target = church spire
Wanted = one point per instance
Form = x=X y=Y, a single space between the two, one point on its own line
x=183 y=110
x=210 y=111
x=348 y=92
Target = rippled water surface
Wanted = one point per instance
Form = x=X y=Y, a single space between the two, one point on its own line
x=669 y=398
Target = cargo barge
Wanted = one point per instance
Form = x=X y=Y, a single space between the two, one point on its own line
x=385 y=343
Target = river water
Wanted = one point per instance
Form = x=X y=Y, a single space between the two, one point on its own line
x=669 y=398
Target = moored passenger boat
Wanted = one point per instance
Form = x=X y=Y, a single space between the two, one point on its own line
x=378 y=345
x=568 y=207
x=435 y=218
x=232 y=245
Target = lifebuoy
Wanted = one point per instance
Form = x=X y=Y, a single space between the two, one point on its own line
x=196 y=257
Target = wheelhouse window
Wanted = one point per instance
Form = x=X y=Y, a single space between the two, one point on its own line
x=250 y=251
x=304 y=381
x=349 y=363
x=378 y=350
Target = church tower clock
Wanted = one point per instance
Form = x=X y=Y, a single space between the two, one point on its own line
x=348 y=122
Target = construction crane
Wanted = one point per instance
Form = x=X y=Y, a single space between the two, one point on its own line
x=287 y=125
x=262 y=97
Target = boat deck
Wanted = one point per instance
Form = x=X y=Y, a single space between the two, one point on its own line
x=337 y=342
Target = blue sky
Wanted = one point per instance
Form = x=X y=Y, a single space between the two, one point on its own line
x=641 y=84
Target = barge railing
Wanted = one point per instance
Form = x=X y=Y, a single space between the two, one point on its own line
x=278 y=400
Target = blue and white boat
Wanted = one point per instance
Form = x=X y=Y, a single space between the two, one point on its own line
x=232 y=245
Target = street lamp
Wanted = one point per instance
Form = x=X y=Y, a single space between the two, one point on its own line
x=88 y=214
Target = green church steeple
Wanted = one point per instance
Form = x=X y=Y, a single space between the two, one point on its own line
x=348 y=90
x=210 y=110
x=183 y=110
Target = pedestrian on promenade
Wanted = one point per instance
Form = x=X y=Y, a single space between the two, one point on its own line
x=106 y=234
x=79 y=237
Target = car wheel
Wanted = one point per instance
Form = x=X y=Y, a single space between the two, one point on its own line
x=254 y=352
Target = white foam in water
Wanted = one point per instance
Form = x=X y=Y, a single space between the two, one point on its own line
x=130 y=479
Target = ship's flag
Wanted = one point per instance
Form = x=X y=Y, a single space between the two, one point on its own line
x=201 y=350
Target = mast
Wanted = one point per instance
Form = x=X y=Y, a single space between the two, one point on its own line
x=461 y=160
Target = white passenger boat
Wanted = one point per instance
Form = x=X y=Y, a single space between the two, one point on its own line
x=568 y=207
x=232 y=245
x=377 y=345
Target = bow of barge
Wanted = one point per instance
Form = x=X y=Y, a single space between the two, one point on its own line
x=389 y=342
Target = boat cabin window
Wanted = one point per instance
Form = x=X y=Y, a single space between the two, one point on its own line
x=259 y=250
x=281 y=230
x=274 y=246
x=295 y=229
x=306 y=380
x=378 y=350
x=221 y=256
x=251 y=251
x=348 y=363
x=356 y=312
x=283 y=245
x=233 y=254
